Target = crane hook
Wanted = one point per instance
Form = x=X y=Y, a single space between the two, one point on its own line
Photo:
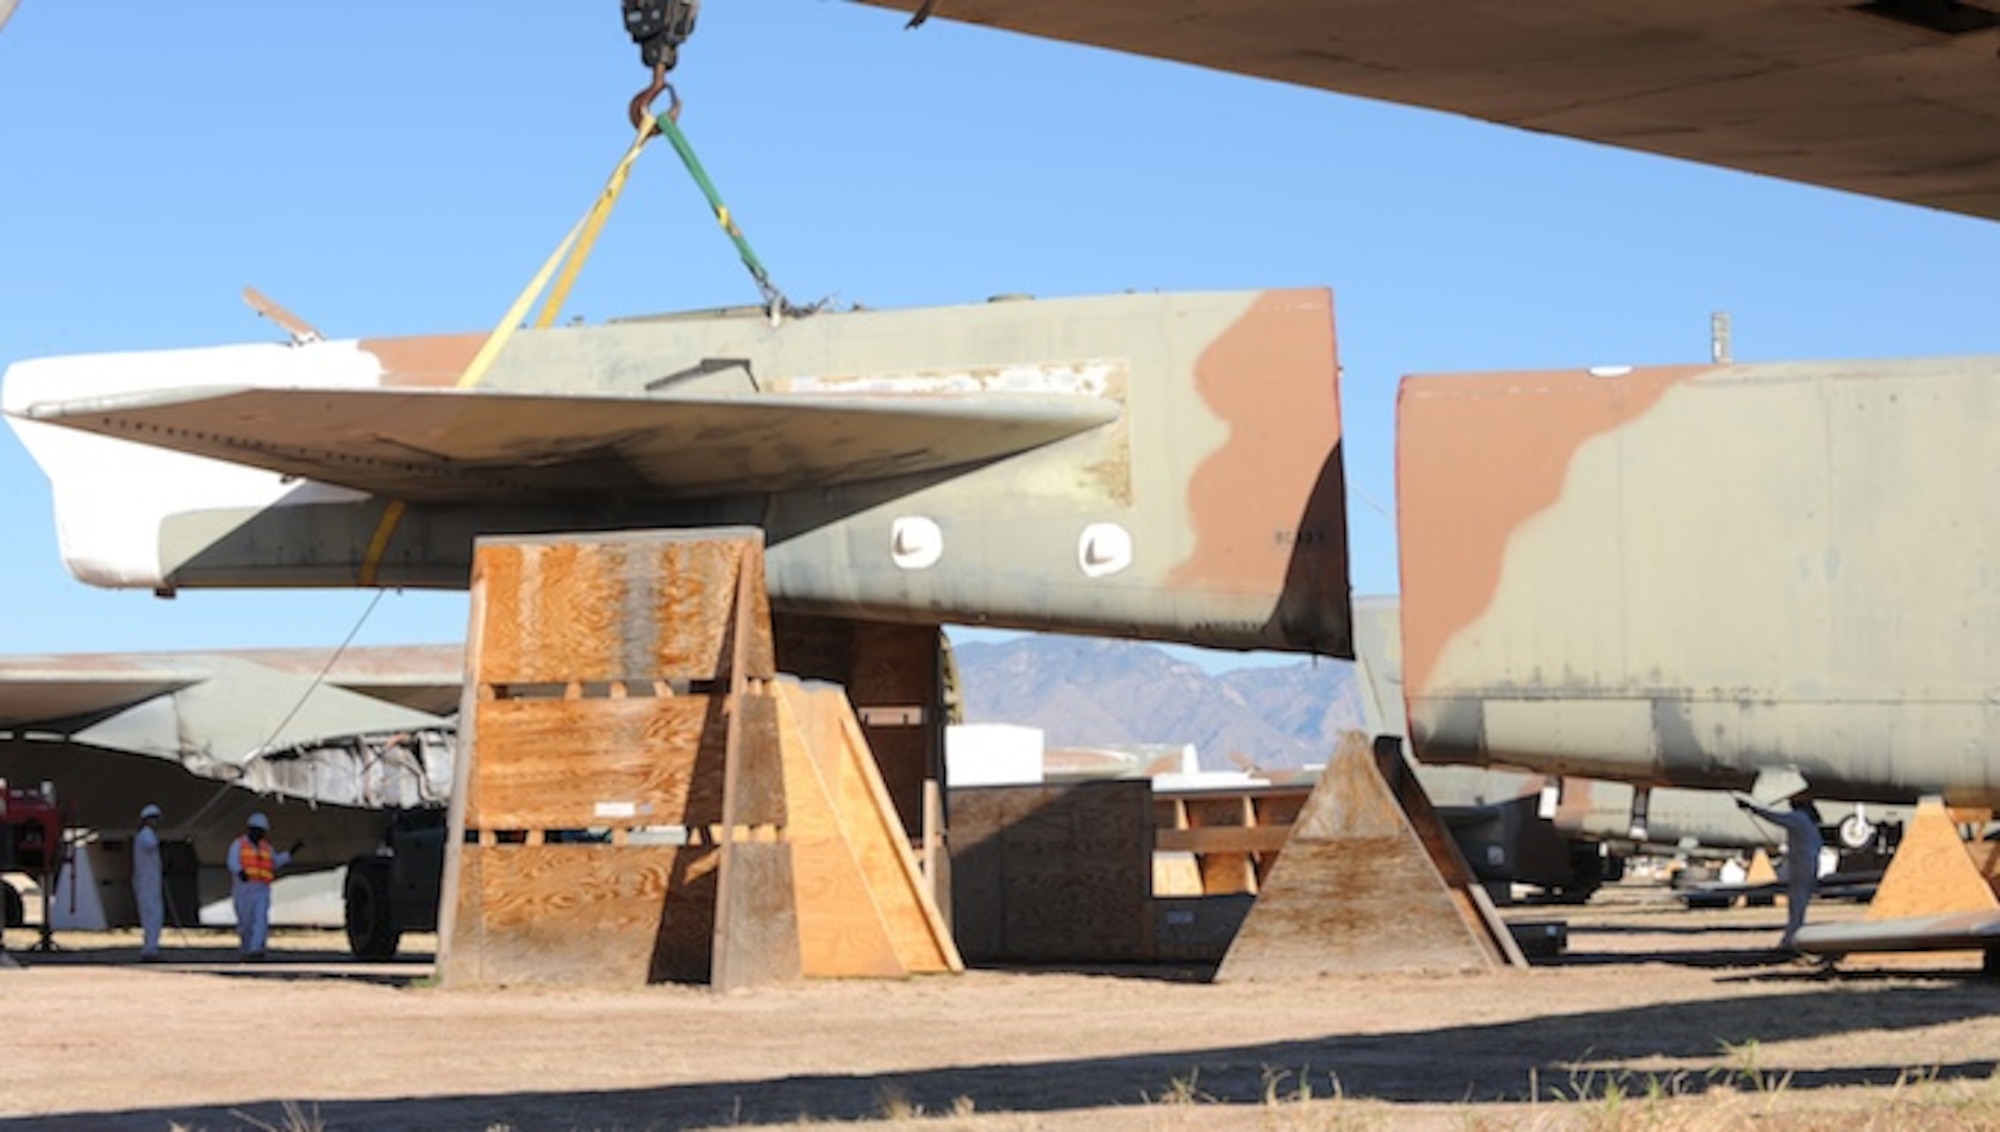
x=643 y=101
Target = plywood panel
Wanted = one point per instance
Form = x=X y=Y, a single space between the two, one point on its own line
x=620 y=607
x=553 y=612
x=573 y=764
x=1932 y=872
x=1054 y=873
x=589 y=913
x=1356 y=889
x=881 y=844
x=841 y=933
x=701 y=594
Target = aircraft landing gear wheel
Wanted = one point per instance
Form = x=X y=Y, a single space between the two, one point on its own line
x=1857 y=832
x=372 y=933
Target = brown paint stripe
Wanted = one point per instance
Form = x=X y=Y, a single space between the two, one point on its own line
x=1272 y=378
x=431 y=361
x=1478 y=455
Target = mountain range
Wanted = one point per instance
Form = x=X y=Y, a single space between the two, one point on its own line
x=1090 y=692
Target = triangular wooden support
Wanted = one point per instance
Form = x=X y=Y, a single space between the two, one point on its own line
x=1370 y=880
x=865 y=909
x=1935 y=870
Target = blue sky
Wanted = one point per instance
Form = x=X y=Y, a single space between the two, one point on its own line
x=390 y=168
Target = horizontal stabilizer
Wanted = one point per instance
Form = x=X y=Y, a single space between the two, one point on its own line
x=481 y=446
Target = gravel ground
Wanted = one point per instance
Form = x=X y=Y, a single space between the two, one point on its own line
x=1656 y=1017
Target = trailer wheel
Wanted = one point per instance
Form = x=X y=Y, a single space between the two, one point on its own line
x=15 y=914
x=1857 y=832
x=372 y=933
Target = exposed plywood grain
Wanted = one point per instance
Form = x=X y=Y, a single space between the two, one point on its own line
x=589 y=914
x=1176 y=874
x=1346 y=907
x=881 y=844
x=571 y=764
x=1224 y=874
x=1356 y=889
x=553 y=612
x=1054 y=873
x=1932 y=871
x=841 y=933
x=633 y=606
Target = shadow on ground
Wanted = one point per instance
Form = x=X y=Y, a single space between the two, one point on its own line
x=1573 y=1057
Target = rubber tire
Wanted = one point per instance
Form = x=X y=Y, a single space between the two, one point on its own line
x=372 y=933
x=1856 y=834
x=15 y=913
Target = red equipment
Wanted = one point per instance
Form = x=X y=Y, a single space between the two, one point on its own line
x=31 y=841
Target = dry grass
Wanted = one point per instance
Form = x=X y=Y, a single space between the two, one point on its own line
x=1737 y=1094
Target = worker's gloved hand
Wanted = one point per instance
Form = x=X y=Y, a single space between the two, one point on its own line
x=243 y=876
x=297 y=845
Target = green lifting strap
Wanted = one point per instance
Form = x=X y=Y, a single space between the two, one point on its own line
x=773 y=298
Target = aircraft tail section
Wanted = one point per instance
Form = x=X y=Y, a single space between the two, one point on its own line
x=1157 y=466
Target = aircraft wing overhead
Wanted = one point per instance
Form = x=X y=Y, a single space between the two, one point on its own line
x=481 y=446
x=1894 y=99
x=424 y=678
x=59 y=692
x=73 y=691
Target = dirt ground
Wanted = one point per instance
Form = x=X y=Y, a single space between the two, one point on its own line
x=1656 y=1017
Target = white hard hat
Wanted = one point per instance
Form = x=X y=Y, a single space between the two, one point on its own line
x=259 y=821
x=149 y=810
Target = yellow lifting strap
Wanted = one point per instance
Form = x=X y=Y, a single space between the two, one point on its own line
x=563 y=265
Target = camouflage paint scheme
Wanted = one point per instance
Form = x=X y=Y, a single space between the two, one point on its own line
x=1691 y=575
x=1587 y=809
x=1891 y=99
x=1152 y=466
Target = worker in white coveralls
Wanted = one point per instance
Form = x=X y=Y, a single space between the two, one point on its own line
x=253 y=865
x=1803 y=843
x=147 y=882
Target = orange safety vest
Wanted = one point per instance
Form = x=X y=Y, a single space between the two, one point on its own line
x=259 y=862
